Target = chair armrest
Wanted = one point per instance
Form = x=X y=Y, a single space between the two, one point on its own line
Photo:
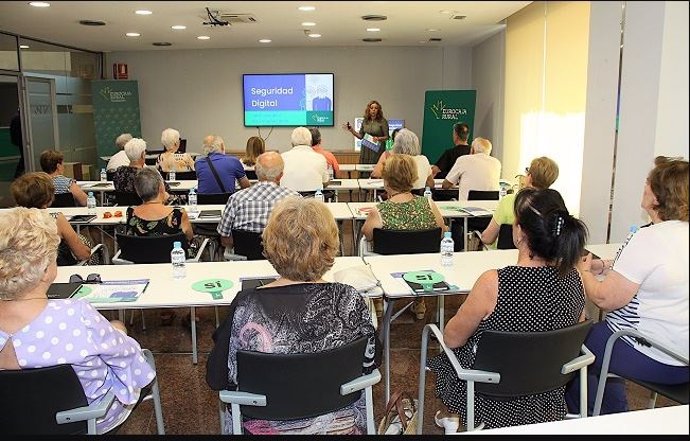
x=361 y=382
x=199 y=252
x=242 y=398
x=91 y=411
x=478 y=233
x=578 y=363
x=647 y=341
x=463 y=374
x=117 y=260
x=364 y=247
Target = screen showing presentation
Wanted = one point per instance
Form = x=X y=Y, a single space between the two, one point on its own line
x=288 y=99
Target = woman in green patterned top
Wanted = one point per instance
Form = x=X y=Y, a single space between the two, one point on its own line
x=374 y=124
x=403 y=210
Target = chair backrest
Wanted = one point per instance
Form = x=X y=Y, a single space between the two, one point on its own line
x=249 y=244
x=406 y=241
x=109 y=174
x=184 y=176
x=32 y=397
x=505 y=237
x=127 y=198
x=63 y=200
x=440 y=194
x=481 y=195
x=328 y=195
x=529 y=362
x=148 y=249
x=299 y=385
x=251 y=174
x=212 y=198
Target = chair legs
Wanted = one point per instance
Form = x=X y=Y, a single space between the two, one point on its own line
x=155 y=392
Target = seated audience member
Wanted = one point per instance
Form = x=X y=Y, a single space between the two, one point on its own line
x=407 y=143
x=52 y=162
x=541 y=174
x=301 y=242
x=123 y=179
x=250 y=208
x=541 y=292
x=37 y=332
x=217 y=171
x=170 y=160
x=255 y=147
x=153 y=217
x=119 y=158
x=330 y=157
x=36 y=190
x=476 y=171
x=646 y=289
x=461 y=132
x=403 y=210
x=305 y=170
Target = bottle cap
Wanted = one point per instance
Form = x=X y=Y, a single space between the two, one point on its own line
x=177 y=244
x=447 y=234
x=91 y=193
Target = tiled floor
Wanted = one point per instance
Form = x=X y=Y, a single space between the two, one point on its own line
x=191 y=408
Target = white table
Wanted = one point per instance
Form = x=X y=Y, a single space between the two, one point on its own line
x=165 y=292
x=466 y=269
x=672 y=420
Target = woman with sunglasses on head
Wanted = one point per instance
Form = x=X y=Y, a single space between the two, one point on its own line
x=38 y=332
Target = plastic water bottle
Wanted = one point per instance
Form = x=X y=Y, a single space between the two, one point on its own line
x=502 y=191
x=191 y=201
x=104 y=175
x=427 y=193
x=171 y=175
x=330 y=172
x=318 y=195
x=178 y=259
x=91 y=203
x=447 y=249
x=633 y=230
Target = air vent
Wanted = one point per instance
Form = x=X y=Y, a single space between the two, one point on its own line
x=237 y=18
x=458 y=17
x=435 y=40
x=374 y=17
x=92 y=22
x=371 y=40
x=161 y=43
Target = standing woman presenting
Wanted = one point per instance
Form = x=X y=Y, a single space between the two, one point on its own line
x=374 y=124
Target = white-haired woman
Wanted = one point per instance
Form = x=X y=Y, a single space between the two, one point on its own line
x=407 y=143
x=170 y=160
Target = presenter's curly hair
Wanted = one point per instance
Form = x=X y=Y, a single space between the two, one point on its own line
x=301 y=239
x=28 y=245
x=379 y=114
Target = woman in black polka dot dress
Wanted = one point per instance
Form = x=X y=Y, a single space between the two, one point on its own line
x=542 y=292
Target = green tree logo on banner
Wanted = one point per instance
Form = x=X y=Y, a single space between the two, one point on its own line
x=442 y=109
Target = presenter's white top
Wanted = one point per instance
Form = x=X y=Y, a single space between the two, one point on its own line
x=656 y=258
x=423 y=171
x=118 y=159
x=305 y=170
x=477 y=171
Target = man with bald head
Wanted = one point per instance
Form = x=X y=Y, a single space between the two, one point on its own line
x=218 y=172
x=249 y=209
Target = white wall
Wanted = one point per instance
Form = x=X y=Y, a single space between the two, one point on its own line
x=488 y=77
x=672 y=115
x=200 y=92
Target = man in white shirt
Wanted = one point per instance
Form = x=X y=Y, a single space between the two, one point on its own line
x=476 y=171
x=119 y=158
x=305 y=169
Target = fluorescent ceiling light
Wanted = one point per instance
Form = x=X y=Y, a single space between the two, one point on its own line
x=307 y=8
x=178 y=27
x=308 y=23
x=203 y=37
x=143 y=12
x=315 y=35
x=265 y=40
x=373 y=30
x=133 y=34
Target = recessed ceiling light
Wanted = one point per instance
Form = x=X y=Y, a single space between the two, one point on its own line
x=422 y=41
x=143 y=12
x=307 y=8
x=133 y=34
x=265 y=40
x=432 y=30
x=39 y=4
x=203 y=37
x=178 y=27
x=446 y=12
x=23 y=46
x=373 y=30
x=315 y=35
x=308 y=23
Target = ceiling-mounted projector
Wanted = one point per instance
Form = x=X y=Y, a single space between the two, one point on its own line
x=214 y=20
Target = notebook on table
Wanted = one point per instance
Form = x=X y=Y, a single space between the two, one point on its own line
x=62 y=290
x=81 y=218
x=476 y=211
x=205 y=214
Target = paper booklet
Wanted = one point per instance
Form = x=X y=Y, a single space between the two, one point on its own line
x=476 y=211
x=112 y=291
x=368 y=142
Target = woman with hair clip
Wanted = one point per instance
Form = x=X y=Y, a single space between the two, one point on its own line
x=541 y=292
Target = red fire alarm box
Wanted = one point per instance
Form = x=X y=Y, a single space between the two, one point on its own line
x=119 y=71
